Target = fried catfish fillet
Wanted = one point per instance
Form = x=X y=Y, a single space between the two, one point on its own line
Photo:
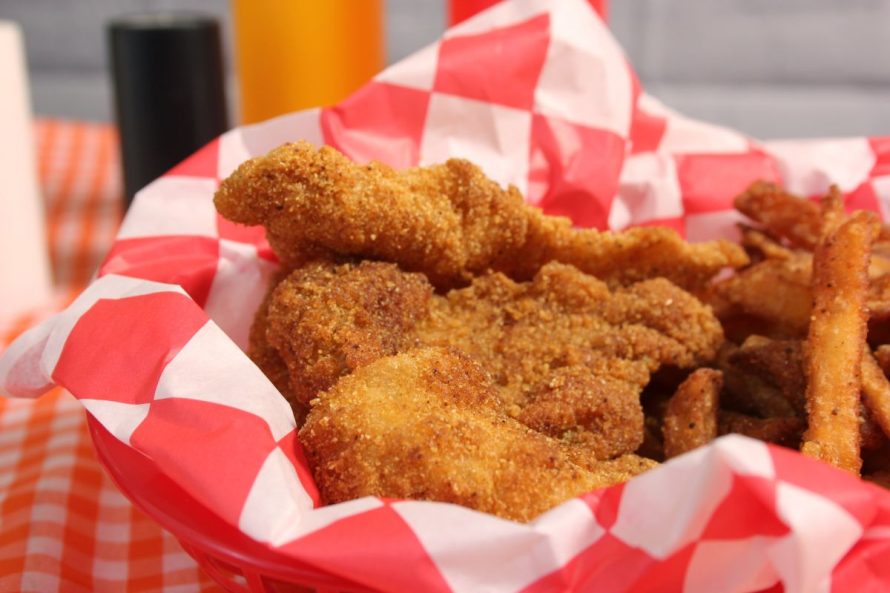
x=521 y=331
x=448 y=221
x=568 y=356
x=266 y=356
x=326 y=320
x=421 y=425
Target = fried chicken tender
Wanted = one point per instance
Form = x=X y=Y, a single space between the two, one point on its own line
x=421 y=425
x=448 y=221
x=568 y=356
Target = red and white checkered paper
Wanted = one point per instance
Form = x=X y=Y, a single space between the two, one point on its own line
x=540 y=95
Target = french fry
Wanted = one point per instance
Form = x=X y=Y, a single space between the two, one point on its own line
x=879 y=297
x=747 y=392
x=760 y=246
x=779 y=363
x=836 y=338
x=691 y=417
x=880 y=258
x=787 y=282
x=882 y=356
x=876 y=391
x=784 y=431
x=871 y=436
x=831 y=211
x=784 y=215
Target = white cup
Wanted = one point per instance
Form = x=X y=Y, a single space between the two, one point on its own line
x=25 y=279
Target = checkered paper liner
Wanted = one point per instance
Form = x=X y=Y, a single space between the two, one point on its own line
x=540 y=95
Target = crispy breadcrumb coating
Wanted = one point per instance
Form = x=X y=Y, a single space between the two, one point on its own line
x=567 y=355
x=421 y=425
x=448 y=221
x=325 y=321
x=266 y=356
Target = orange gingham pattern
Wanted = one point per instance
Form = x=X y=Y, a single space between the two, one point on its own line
x=64 y=526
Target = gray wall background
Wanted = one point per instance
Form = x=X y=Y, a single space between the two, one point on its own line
x=771 y=68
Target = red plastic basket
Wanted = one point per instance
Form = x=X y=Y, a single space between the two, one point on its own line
x=238 y=563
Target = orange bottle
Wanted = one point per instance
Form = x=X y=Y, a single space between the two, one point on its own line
x=296 y=54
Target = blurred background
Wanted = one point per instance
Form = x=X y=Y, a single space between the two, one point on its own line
x=771 y=68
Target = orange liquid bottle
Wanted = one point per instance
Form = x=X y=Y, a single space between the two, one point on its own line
x=296 y=54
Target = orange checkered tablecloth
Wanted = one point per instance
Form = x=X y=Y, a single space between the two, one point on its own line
x=64 y=526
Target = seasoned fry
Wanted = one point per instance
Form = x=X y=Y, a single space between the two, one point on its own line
x=787 y=282
x=882 y=355
x=880 y=257
x=871 y=436
x=831 y=209
x=879 y=297
x=749 y=392
x=836 y=340
x=760 y=246
x=691 y=417
x=784 y=215
x=876 y=391
x=779 y=363
x=784 y=431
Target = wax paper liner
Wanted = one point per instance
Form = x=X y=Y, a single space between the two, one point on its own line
x=540 y=95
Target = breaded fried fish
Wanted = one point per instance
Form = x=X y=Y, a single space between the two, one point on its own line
x=448 y=221
x=421 y=425
x=567 y=355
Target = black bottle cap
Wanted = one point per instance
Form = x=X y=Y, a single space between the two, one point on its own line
x=169 y=88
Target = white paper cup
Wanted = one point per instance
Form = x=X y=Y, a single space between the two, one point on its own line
x=25 y=279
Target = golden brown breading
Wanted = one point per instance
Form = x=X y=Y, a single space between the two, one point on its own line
x=267 y=358
x=602 y=414
x=521 y=332
x=420 y=425
x=448 y=221
x=326 y=320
